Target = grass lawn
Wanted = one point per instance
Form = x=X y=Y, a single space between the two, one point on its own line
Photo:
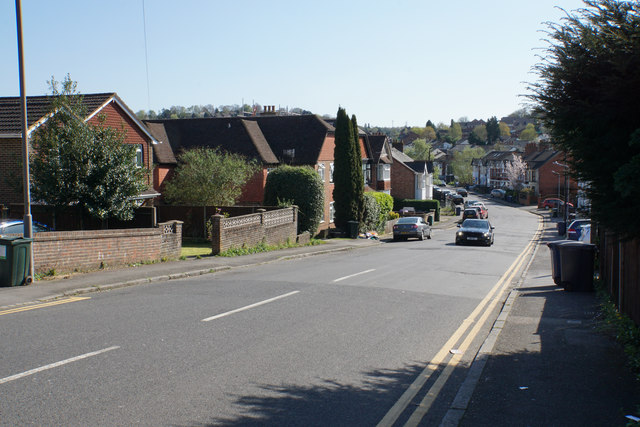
x=192 y=248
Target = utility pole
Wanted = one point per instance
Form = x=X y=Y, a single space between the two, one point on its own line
x=28 y=228
x=566 y=195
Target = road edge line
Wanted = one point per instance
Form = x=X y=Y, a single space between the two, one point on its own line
x=460 y=402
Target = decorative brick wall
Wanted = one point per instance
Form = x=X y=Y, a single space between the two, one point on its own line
x=274 y=227
x=68 y=251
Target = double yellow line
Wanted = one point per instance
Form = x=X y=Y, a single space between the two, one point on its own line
x=483 y=310
x=41 y=305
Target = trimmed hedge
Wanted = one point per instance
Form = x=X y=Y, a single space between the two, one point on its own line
x=297 y=185
x=371 y=214
x=419 y=205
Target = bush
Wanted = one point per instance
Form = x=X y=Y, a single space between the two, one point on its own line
x=300 y=186
x=385 y=206
x=371 y=213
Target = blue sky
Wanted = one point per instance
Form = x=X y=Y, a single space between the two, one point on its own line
x=388 y=62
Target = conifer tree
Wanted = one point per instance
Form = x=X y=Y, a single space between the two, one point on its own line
x=345 y=199
x=357 y=176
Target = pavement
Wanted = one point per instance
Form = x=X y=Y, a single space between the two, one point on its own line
x=547 y=361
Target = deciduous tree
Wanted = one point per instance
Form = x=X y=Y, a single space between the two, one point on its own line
x=209 y=177
x=76 y=163
x=529 y=133
x=515 y=170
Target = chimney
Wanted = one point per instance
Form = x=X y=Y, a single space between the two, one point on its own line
x=530 y=148
x=398 y=145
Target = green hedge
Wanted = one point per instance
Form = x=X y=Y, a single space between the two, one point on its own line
x=297 y=185
x=419 y=205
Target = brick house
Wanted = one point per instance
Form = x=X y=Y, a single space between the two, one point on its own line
x=107 y=108
x=411 y=179
x=544 y=176
x=377 y=170
x=305 y=140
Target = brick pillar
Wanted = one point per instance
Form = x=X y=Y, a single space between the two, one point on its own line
x=216 y=234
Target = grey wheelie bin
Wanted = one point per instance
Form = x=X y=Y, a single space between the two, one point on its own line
x=555 y=260
x=15 y=256
x=576 y=269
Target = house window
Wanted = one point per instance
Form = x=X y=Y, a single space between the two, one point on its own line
x=366 y=172
x=331 y=172
x=384 y=172
x=321 y=171
x=139 y=155
x=332 y=212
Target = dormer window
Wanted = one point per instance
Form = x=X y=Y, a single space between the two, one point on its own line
x=290 y=153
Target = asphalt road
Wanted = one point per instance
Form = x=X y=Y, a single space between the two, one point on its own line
x=336 y=339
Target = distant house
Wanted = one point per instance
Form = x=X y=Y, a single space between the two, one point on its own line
x=105 y=108
x=490 y=170
x=377 y=170
x=304 y=140
x=545 y=174
x=411 y=179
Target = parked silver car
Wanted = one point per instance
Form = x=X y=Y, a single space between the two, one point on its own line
x=411 y=226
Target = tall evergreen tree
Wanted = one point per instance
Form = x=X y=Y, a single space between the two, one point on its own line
x=493 y=130
x=341 y=174
x=348 y=201
x=588 y=94
x=357 y=176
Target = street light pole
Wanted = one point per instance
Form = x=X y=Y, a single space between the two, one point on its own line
x=566 y=195
x=28 y=228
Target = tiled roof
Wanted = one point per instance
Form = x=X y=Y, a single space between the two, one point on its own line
x=38 y=107
x=538 y=158
x=400 y=156
x=271 y=139
x=162 y=150
x=421 y=166
x=378 y=148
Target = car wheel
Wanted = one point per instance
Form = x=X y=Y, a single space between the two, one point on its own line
x=421 y=236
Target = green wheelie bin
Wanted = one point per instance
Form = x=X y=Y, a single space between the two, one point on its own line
x=15 y=257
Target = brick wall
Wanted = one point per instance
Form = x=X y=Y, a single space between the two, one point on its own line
x=403 y=181
x=10 y=169
x=548 y=181
x=326 y=158
x=68 y=251
x=274 y=227
x=253 y=190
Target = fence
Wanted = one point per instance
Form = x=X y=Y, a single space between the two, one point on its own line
x=619 y=262
x=69 y=251
x=74 y=218
x=272 y=227
x=195 y=217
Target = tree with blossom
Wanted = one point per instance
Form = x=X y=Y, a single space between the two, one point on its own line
x=515 y=172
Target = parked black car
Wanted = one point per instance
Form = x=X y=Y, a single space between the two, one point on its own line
x=475 y=231
x=411 y=226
